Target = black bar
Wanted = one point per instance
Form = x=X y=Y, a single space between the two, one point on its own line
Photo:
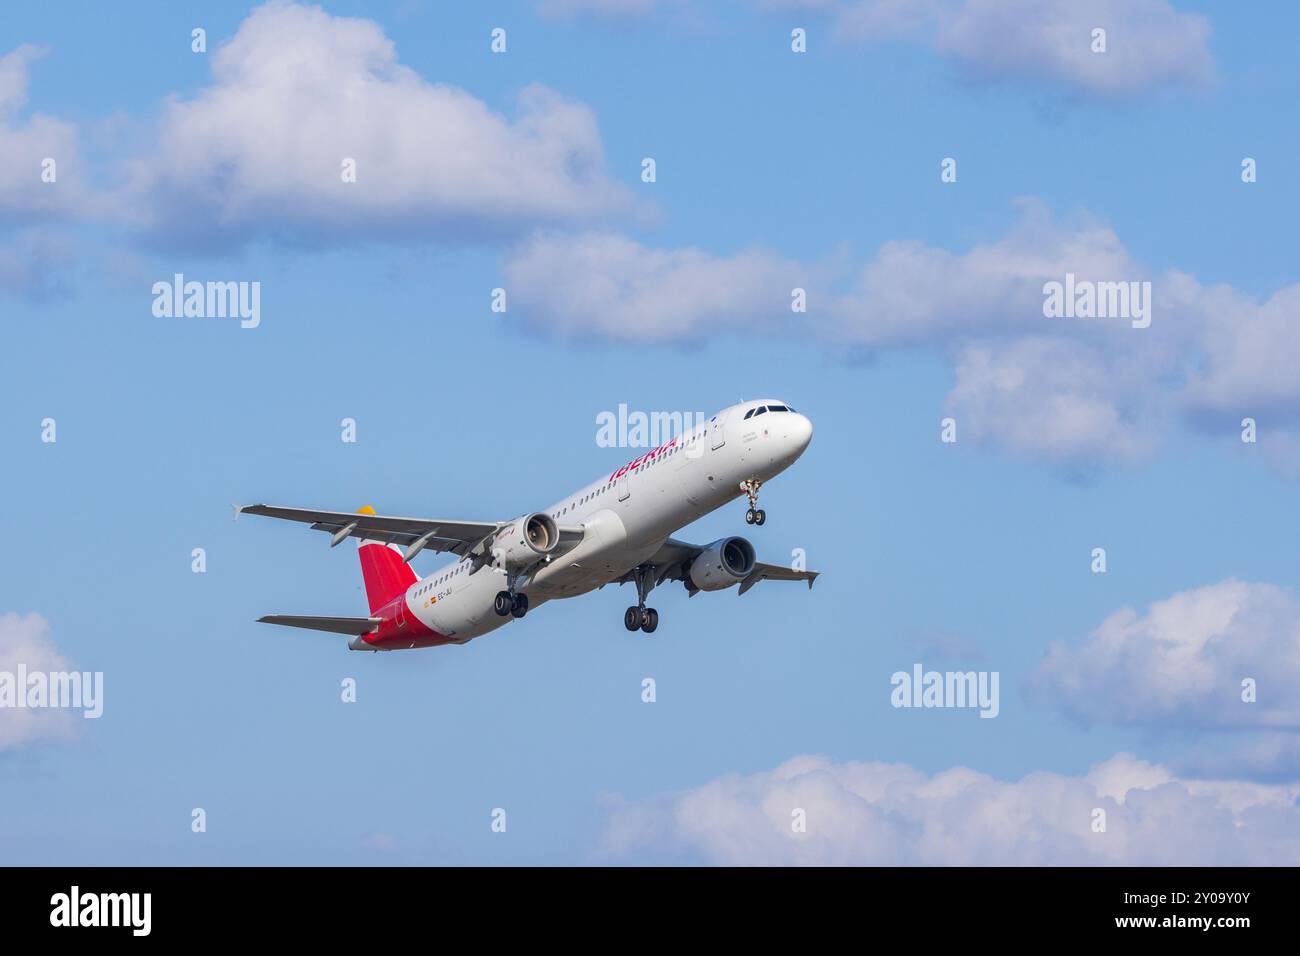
x=437 y=906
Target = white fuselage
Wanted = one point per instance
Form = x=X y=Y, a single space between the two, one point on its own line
x=626 y=516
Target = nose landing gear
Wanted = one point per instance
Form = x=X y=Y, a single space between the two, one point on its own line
x=754 y=515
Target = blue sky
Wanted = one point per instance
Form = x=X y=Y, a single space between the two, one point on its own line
x=774 y=169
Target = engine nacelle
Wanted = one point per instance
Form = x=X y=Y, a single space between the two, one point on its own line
x=525 y=540
x=726 y=562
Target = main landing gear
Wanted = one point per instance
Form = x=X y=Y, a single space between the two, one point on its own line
x=507 y=603
x=754 y=515
x=640 y=617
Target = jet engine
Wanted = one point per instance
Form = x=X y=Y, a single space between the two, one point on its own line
x=725 y=562
x=526 y=540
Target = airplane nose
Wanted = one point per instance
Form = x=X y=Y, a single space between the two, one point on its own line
x=799 y=434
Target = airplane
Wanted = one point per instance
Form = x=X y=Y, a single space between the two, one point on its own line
x=615 y=530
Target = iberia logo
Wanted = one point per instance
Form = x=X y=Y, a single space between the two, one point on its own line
x=653 y=453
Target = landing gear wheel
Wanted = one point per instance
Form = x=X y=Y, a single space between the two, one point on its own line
x=754 y=515
x=520 y=606
x=633 y=618
x=503 y=603
x=651 y=620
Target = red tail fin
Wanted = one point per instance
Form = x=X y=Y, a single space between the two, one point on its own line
x=385 y=573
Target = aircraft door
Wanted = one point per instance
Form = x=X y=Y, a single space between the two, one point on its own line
x=624 y=489
x=717 y=432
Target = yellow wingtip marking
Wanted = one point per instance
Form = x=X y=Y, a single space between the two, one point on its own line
x=366 y=510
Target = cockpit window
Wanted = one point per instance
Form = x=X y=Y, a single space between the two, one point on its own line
x=760 y=410
x=750 y=412
x=777 y=408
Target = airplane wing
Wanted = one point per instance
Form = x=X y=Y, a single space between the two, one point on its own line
x=776 y=572
x=673 y=560
x=414 y=534
x=336 y=625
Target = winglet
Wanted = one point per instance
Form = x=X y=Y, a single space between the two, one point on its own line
x=366 y=510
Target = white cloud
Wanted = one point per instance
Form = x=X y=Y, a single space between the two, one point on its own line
x=1251 y=353
x=911 y=293
x=908 y=294
x=26 y=141
x=1054 y=398
x=36 y=251
x=1149 y=44
x=1069 y=390
x=14 y=77
x=605 y=285
x=26 y=640
x=892 y=814
x=296 y=91
x=1181 y=664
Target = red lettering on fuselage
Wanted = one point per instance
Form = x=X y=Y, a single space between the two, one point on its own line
x=653 y=453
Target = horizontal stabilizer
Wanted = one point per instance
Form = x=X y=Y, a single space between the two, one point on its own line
x=335 y=625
